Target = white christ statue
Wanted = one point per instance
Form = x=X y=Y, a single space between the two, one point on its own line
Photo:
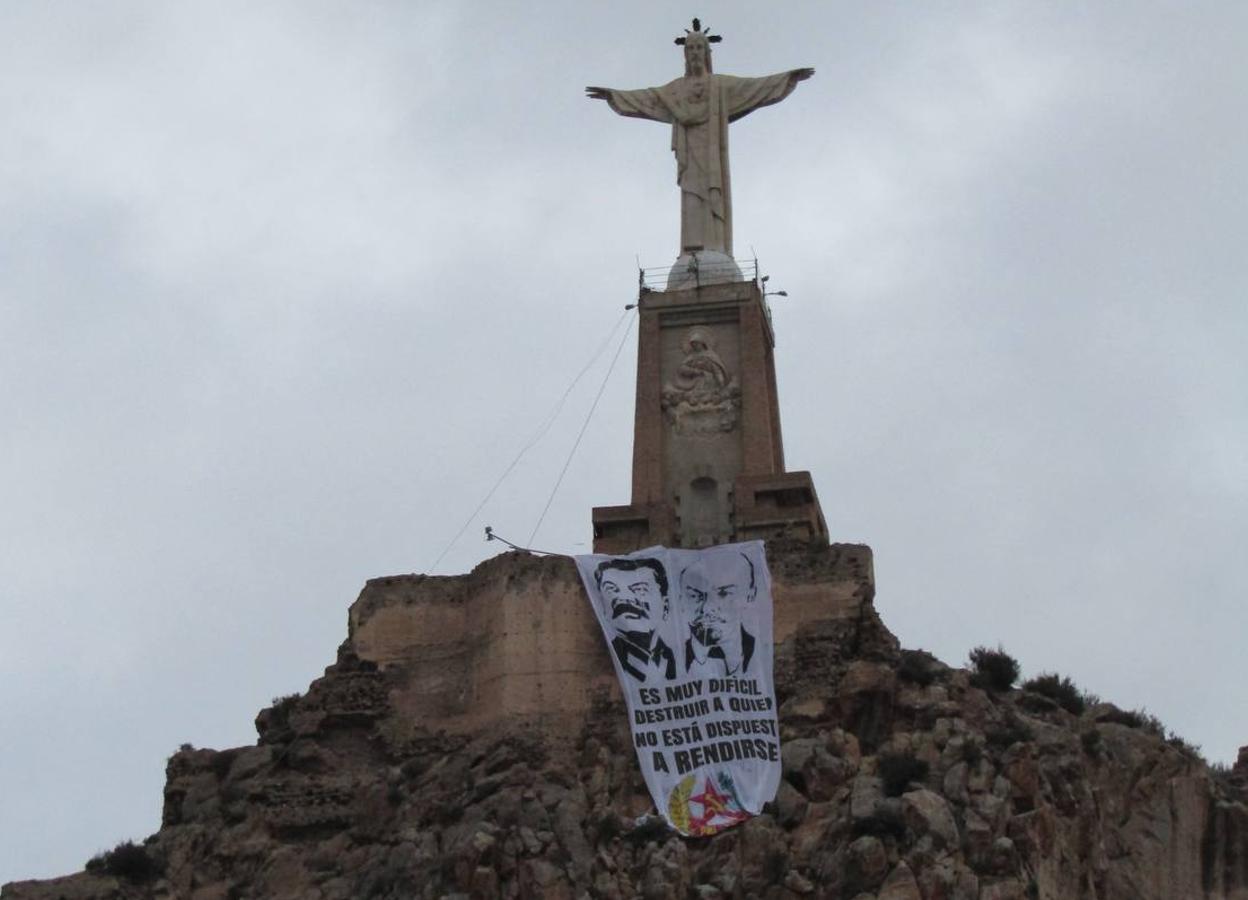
x=699 y=107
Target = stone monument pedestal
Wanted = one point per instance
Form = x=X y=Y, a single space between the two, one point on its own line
x=708 y=458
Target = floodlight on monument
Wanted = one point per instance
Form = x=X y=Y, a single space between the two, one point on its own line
x=766 y=293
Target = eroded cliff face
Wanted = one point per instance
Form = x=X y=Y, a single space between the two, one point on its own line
x=470 y=742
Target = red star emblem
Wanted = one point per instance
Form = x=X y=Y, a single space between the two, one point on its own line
x=716 y=813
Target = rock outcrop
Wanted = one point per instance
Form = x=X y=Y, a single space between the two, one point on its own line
x=470 y=742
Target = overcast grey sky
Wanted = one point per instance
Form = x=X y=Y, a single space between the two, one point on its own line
x=285 y=286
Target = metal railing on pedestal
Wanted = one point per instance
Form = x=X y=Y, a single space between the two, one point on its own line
x=657 y=278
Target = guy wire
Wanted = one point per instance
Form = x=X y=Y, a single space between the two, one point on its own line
x=602 y=387
x=541 y=432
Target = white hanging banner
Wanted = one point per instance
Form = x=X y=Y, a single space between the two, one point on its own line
x=690 y=635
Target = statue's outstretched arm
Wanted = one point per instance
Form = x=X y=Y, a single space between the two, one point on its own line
x=644 y=103
x=744 y=95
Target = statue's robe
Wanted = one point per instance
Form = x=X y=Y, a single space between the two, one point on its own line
x=699 y=108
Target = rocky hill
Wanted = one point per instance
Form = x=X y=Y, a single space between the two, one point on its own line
x=470 y=742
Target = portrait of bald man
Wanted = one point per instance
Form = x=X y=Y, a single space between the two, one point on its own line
x=713 y=598
x=634 y=596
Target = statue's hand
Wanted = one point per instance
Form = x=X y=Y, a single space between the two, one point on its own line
x=597 y=93
x=802 y=74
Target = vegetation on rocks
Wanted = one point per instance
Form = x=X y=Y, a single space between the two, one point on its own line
x=898 y=770
x=127 y=860
x=1059 y=689
x=918 y=666
x=995 y=670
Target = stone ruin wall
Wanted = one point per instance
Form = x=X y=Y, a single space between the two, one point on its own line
x=519 y=642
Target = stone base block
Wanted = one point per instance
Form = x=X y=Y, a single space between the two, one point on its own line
x=765 y=507
x=783 y=505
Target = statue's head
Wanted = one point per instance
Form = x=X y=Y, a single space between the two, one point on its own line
x=697 y=44
x=698 y=340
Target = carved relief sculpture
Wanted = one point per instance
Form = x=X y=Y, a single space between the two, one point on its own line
x=704 y=398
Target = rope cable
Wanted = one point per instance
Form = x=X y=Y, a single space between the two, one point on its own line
x=538 y=435
x=584 y=425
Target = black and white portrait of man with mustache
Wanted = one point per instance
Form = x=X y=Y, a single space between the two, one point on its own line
x=713 y=601
x=633 y=593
